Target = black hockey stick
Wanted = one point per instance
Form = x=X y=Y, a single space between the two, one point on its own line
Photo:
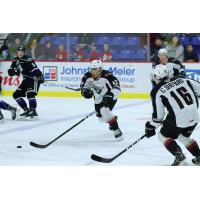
x=46 y=145
x=74 y=89
x=109 y=160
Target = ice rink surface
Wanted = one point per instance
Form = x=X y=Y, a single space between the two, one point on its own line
x=90 y=137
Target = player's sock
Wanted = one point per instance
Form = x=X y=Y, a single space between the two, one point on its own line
x=193 y=148
x=4 y=105
x=32 y=111
x=22 y=103
x=32 y=103
x=110 y=127
x=171 y=146
x=114 y=126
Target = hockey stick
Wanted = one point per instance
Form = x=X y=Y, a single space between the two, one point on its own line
x=79 y=89
x=109 y=160
x=46 y=145
x=74 y=89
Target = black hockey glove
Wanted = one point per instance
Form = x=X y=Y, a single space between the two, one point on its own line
x=13 y=72
x=182 y=74
x=108 y=99
x=149 y=130
x=86 y=93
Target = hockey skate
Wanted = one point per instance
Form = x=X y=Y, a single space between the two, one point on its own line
x=196 y=160
x=179 y=159
x=1 y=117
x=13 y=111
x=25 y=113
x=32 y=113
x=118 y=135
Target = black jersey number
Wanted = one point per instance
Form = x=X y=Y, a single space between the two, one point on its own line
x=185 y=96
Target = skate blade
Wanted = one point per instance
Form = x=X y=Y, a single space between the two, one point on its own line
x=22 y=118
x=183 y=163
x=32 y=118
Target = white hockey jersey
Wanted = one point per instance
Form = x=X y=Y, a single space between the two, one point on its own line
x=179 y=97
x=104 y=85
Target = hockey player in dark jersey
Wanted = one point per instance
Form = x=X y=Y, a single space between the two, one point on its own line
x=179 y=97
x=6 y=106
x=32 y=78
x=105 y=88
x=175 y=67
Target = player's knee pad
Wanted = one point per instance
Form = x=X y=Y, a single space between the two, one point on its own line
x=30 y=95
x=185 y=140
x=17 y=94
x=106 y=114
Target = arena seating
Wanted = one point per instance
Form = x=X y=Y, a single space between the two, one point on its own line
x=123 y=46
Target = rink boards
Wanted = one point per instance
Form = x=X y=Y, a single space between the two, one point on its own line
x=134 y=77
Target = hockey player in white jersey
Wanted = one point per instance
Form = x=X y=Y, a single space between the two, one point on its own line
x=179 y=97
x=105 y=88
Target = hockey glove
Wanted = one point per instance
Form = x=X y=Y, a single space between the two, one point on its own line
x=13 y=72
x=108 y=99
x=182 y=74
x=86 y=93
x=149 y=130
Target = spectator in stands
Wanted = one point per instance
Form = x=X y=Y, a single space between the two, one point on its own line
x=175 y=49
x=4 y=51
x=154 y=50
x=47 y=52
x=107 y=55
x=85 y=40
x=94 y=55
x=78 y=54
x=191 y=54
x=61 y=53
x=34 y=50
x=14 y=46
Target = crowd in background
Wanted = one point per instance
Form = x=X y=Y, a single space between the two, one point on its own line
x=174 y=47
x=86 y=49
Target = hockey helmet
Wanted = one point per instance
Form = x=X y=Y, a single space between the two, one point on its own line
x=96 y=64
x=159 y=73
x=162 y=51
x=21 y=48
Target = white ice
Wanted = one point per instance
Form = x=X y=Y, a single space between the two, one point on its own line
x=90 y=137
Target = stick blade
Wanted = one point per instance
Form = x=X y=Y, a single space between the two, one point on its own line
x=41 y=146
x=74 y=89
x=100 y=159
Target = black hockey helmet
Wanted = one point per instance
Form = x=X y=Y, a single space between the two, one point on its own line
x=21 y=48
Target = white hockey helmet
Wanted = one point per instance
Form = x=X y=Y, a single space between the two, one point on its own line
x=96 y=64
x=162 y=51
x=159 y=73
